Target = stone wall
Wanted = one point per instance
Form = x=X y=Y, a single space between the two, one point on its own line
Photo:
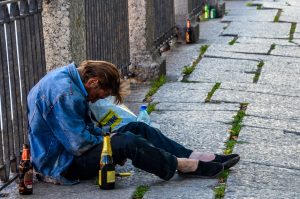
x=146 y=64
x=56 y=22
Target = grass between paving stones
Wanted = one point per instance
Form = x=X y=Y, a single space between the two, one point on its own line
x=276 y=18
x=187 y=70
x=292 y=31
x=258 y=5
x=258 y=71
x=155 y=85
x=233 y=41
x=236 y=126
x=151 y=107
x=271 y=48
x=211 y=93
x=140 y=192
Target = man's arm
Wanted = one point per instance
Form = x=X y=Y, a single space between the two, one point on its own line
x=73 y=128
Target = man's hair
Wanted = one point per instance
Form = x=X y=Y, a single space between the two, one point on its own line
x=109 y=77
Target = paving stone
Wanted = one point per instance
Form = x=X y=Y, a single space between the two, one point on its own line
x=250 y=15
x=205 y=130
x=241 y=48
x=255 y=98
x=262 y=88
x=223 y=70
x=290 y=14
x=183 y=93
x=259 y=29
x=288 y=51
x=258 y=193
x=256 y=175
x=271 y=155
x=166 y=106
x=210 y=31
x=250 y=40
x=269 y=123
x=184 y=188
x=272 y=4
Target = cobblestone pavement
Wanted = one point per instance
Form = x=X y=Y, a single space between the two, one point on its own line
x=269 y=140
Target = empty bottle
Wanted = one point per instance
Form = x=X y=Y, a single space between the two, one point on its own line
x=188 y=32
x=25 y=172
x=143 y=115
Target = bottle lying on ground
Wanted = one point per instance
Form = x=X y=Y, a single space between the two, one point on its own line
x=25 y=173
x=107 y=174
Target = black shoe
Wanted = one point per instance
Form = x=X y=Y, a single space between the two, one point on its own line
x=227 y=160
x=205 y=170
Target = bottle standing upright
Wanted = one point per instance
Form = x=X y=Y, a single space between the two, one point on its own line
x=107 y=174
x=188 y=33
x=143 y=115
x=25 y=172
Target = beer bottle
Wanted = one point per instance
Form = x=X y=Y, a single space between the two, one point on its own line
x=107 y=174
x=25 y=172
x=188 y=32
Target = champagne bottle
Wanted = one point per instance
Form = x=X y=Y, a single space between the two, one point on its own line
x=107 y=174
x=188 y=32
x=25 y=173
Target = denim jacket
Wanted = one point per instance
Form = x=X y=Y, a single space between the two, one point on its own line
x=59 y=123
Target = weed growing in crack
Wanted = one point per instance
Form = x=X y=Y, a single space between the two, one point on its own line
x=220 y=191
x=187 y=70
x=233 y=41
x=210 y=94
x=258 y=71
x=292 y=31
x=276 y=18
x=140 y=192
x=271 y=48
x=156 y=84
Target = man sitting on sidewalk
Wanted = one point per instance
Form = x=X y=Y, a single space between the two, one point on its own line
x=66 y=146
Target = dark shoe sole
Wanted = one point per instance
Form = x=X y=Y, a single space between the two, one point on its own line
x=231 y=162
x=197 y=174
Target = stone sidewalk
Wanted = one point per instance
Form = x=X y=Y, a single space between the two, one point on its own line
x=269 y=140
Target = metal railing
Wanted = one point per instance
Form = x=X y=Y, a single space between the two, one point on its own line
x=107 y=32
x=164 y=19
x=22 y=64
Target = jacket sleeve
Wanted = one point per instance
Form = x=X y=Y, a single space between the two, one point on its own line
x=74 y=128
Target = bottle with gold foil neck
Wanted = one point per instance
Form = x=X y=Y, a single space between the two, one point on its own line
x=107 y=174
x=25 y=172
x=188 y=32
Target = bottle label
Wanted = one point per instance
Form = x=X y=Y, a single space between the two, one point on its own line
x=111 y=176
x=28 y=179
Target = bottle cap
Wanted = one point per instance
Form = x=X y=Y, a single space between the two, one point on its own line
x=143 y=107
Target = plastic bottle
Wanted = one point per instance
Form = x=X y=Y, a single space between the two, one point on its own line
x=143 y=115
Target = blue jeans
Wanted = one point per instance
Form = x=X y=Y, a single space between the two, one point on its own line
x=146 y=146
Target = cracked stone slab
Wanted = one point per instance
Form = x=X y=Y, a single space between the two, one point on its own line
x=272 y=4
x=183 y=92
x=290 y=14
x=250 y=40
x=250 y=180
x=241 y=48
x=256 y=98
x=259 y=29
x=274 y=110
x=205 y=130
x=288 y=51
x=262 y=88
x=250 y=15
x=184 y=188
x=271 y=137
x=166 y=106
x=269 y=123
x=223 y=70
x=253 y=57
